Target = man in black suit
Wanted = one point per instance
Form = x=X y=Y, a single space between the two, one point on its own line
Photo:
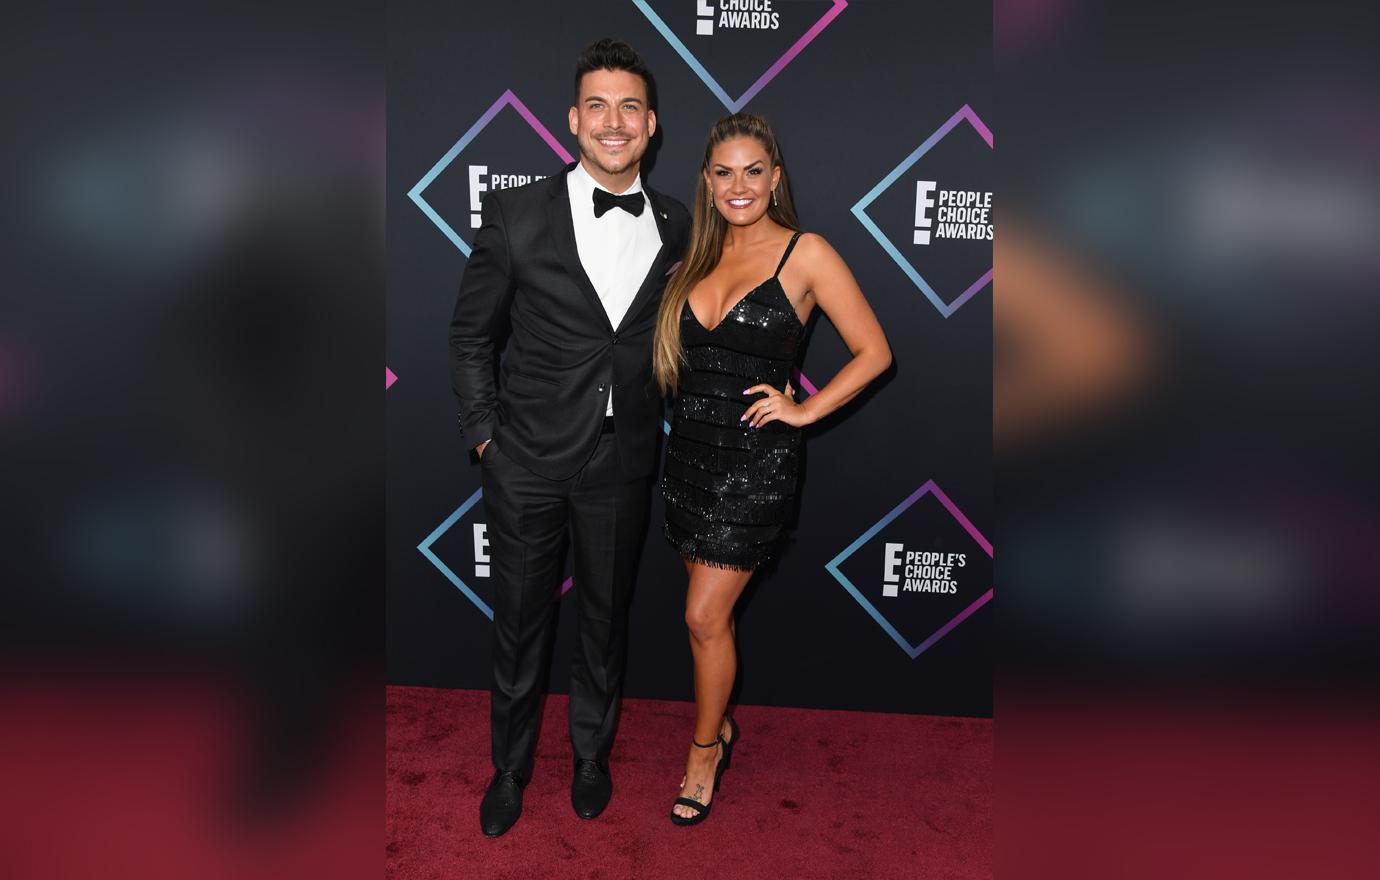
x=570 y=270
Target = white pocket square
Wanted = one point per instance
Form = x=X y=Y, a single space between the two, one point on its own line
x=674 y=267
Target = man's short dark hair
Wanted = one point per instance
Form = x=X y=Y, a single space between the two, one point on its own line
x=607 y=54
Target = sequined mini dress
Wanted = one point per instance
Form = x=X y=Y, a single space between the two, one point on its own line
x=730 y=490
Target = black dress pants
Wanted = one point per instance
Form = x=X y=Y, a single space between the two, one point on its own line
x=529 y=520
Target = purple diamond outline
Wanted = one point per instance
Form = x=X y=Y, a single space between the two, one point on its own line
x=832 y=566
x=507 y=99
x=860 y=211
x=425 y=549
x=713 y=85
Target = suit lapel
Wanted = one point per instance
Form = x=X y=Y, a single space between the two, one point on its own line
x=563 y=232
x=654 y=276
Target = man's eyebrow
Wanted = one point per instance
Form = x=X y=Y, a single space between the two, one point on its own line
x=604 y=100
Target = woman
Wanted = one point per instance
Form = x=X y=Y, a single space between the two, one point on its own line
x=725 y=343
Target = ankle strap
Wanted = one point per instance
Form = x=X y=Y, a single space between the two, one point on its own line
x=700 y=745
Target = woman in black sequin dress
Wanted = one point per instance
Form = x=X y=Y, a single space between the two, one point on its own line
x=728 y=334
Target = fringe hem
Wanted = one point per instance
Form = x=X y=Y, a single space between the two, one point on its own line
x=693 y=551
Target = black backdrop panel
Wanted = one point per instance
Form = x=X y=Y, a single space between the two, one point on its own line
x=883 y=600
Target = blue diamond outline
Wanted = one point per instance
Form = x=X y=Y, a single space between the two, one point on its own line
x=687 y=56
x=507 y=99
x=859 y=211
x=425 y=549
x=832 y=566
x=703 y=73
x=415 y=194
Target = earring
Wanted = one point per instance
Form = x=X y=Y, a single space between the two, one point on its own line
x=709 y=199
x=773 y=195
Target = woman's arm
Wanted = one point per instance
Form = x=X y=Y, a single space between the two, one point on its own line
x=838 y=295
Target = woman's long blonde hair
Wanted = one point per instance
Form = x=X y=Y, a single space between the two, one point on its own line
x=707 y=241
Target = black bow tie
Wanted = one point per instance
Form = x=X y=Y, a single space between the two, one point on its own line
x=604 y=200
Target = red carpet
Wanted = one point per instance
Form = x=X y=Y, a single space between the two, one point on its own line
x=111 y=773
x=811 y=794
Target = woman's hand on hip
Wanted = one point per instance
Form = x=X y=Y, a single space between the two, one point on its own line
x=777 y=406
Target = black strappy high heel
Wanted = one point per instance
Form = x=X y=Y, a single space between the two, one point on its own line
x=724 y=759
x=729 y=743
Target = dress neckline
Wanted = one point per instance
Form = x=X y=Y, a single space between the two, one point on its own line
x=775 y=276
x=733 y=308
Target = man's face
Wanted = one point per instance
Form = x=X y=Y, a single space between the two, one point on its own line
x=611 y=121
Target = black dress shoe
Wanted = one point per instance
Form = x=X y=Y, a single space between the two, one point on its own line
x=502 y=803
x=592 y=788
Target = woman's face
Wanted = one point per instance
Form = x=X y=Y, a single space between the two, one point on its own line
x=741 y=178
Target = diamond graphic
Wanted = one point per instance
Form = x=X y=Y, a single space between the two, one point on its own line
x=689 y=57
x=859 y=211
x=507 y=99
x=425 y=549
x=388 y=378
x=833 y=567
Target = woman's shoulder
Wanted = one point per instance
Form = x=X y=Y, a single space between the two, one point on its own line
x=811 y=246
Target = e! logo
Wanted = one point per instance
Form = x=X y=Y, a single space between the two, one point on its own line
x=924 y=192
x=477 y=186
x=891 y=569
x=704 y=25
x=481 y=550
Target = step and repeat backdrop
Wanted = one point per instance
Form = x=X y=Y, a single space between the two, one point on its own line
x=884 y=599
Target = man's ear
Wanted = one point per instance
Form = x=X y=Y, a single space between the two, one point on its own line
x=574 y=118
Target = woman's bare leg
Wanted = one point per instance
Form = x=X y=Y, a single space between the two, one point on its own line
x=709 y=617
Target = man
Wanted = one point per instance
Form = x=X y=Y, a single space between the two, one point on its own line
x=570 y=270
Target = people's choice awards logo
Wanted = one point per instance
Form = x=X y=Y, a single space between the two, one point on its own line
x=936 y=204
x=734 y=37
x=919 y=571
x=963 y=214
x=463 y=538
x=743 y=14
x=524 y=158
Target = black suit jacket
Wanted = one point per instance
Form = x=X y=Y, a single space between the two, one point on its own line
x=525 y=285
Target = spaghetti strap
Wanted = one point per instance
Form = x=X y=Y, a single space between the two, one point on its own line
x=790 y=247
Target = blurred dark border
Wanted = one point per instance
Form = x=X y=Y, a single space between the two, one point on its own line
x=192 y=415
x=1188 y=250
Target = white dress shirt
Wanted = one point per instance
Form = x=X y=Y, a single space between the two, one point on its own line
x=616 y=249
